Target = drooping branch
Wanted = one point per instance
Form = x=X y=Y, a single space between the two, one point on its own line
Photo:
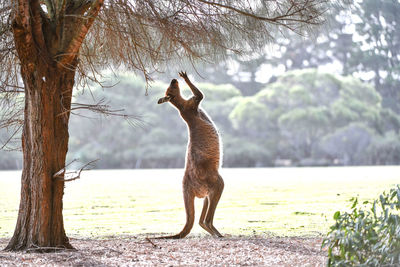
x=292 y=15
x=4 y=144
x=102 y=108
x=11 y=118
x=294 y=10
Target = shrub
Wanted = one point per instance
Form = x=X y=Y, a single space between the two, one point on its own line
x=367 y=236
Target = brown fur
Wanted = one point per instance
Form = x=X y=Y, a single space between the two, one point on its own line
x=201 y=177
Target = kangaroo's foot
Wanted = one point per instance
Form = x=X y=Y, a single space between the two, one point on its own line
x=177 y=236
x=205 y=227
x=215 y=231
x=210 y=229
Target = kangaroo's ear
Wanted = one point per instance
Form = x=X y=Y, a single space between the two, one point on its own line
x=164 y=99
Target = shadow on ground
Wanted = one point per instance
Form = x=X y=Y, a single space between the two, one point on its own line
x=197 y=250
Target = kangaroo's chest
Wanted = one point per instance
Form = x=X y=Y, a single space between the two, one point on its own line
x=202 y=132
x=204 y=143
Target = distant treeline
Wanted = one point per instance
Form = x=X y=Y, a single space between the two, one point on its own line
x=304 y=118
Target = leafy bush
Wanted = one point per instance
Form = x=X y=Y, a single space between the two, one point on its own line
x=367 y=236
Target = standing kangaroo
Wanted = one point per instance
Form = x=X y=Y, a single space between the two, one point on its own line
x=201 y=177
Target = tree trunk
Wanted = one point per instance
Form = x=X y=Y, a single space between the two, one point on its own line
x=48 y=48
x=48 y=92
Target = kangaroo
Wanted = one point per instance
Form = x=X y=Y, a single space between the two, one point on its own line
x=201 y=178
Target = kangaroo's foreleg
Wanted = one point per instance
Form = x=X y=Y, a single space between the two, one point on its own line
x=196 y=92
x=213 y=198
x=188 y=198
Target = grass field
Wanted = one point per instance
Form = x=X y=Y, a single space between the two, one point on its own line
x=280 y=201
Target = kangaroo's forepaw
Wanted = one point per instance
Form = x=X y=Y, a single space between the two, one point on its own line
x=183 y=75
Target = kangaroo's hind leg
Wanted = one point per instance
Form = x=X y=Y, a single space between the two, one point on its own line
x=188 y=198
x=202 y=221
x=213 y=198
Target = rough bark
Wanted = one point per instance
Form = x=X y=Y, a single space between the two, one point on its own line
x=45 y=145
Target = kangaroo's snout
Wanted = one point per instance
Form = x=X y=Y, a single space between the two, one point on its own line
x=164 y=99
x=172 y=91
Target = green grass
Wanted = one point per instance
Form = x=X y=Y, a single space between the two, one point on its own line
x=281 y=201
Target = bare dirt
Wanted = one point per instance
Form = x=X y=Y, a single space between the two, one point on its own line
x=192 y=251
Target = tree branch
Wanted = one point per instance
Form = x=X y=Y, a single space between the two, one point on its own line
x=50 y=9
x=10 y=138
x=22 y=16
x=287 y=16
x=75 y=44
x=63 y=175
x=37 y=26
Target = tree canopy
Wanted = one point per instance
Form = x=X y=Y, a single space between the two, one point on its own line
x=145 y=34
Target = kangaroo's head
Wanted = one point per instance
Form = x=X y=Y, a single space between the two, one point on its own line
x=171 y=93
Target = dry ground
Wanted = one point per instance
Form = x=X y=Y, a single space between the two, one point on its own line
x=192 y=251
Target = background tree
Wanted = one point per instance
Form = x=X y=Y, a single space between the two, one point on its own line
x=46 y=43
x=245 y=75
x=302 y=107
x=379 y=30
